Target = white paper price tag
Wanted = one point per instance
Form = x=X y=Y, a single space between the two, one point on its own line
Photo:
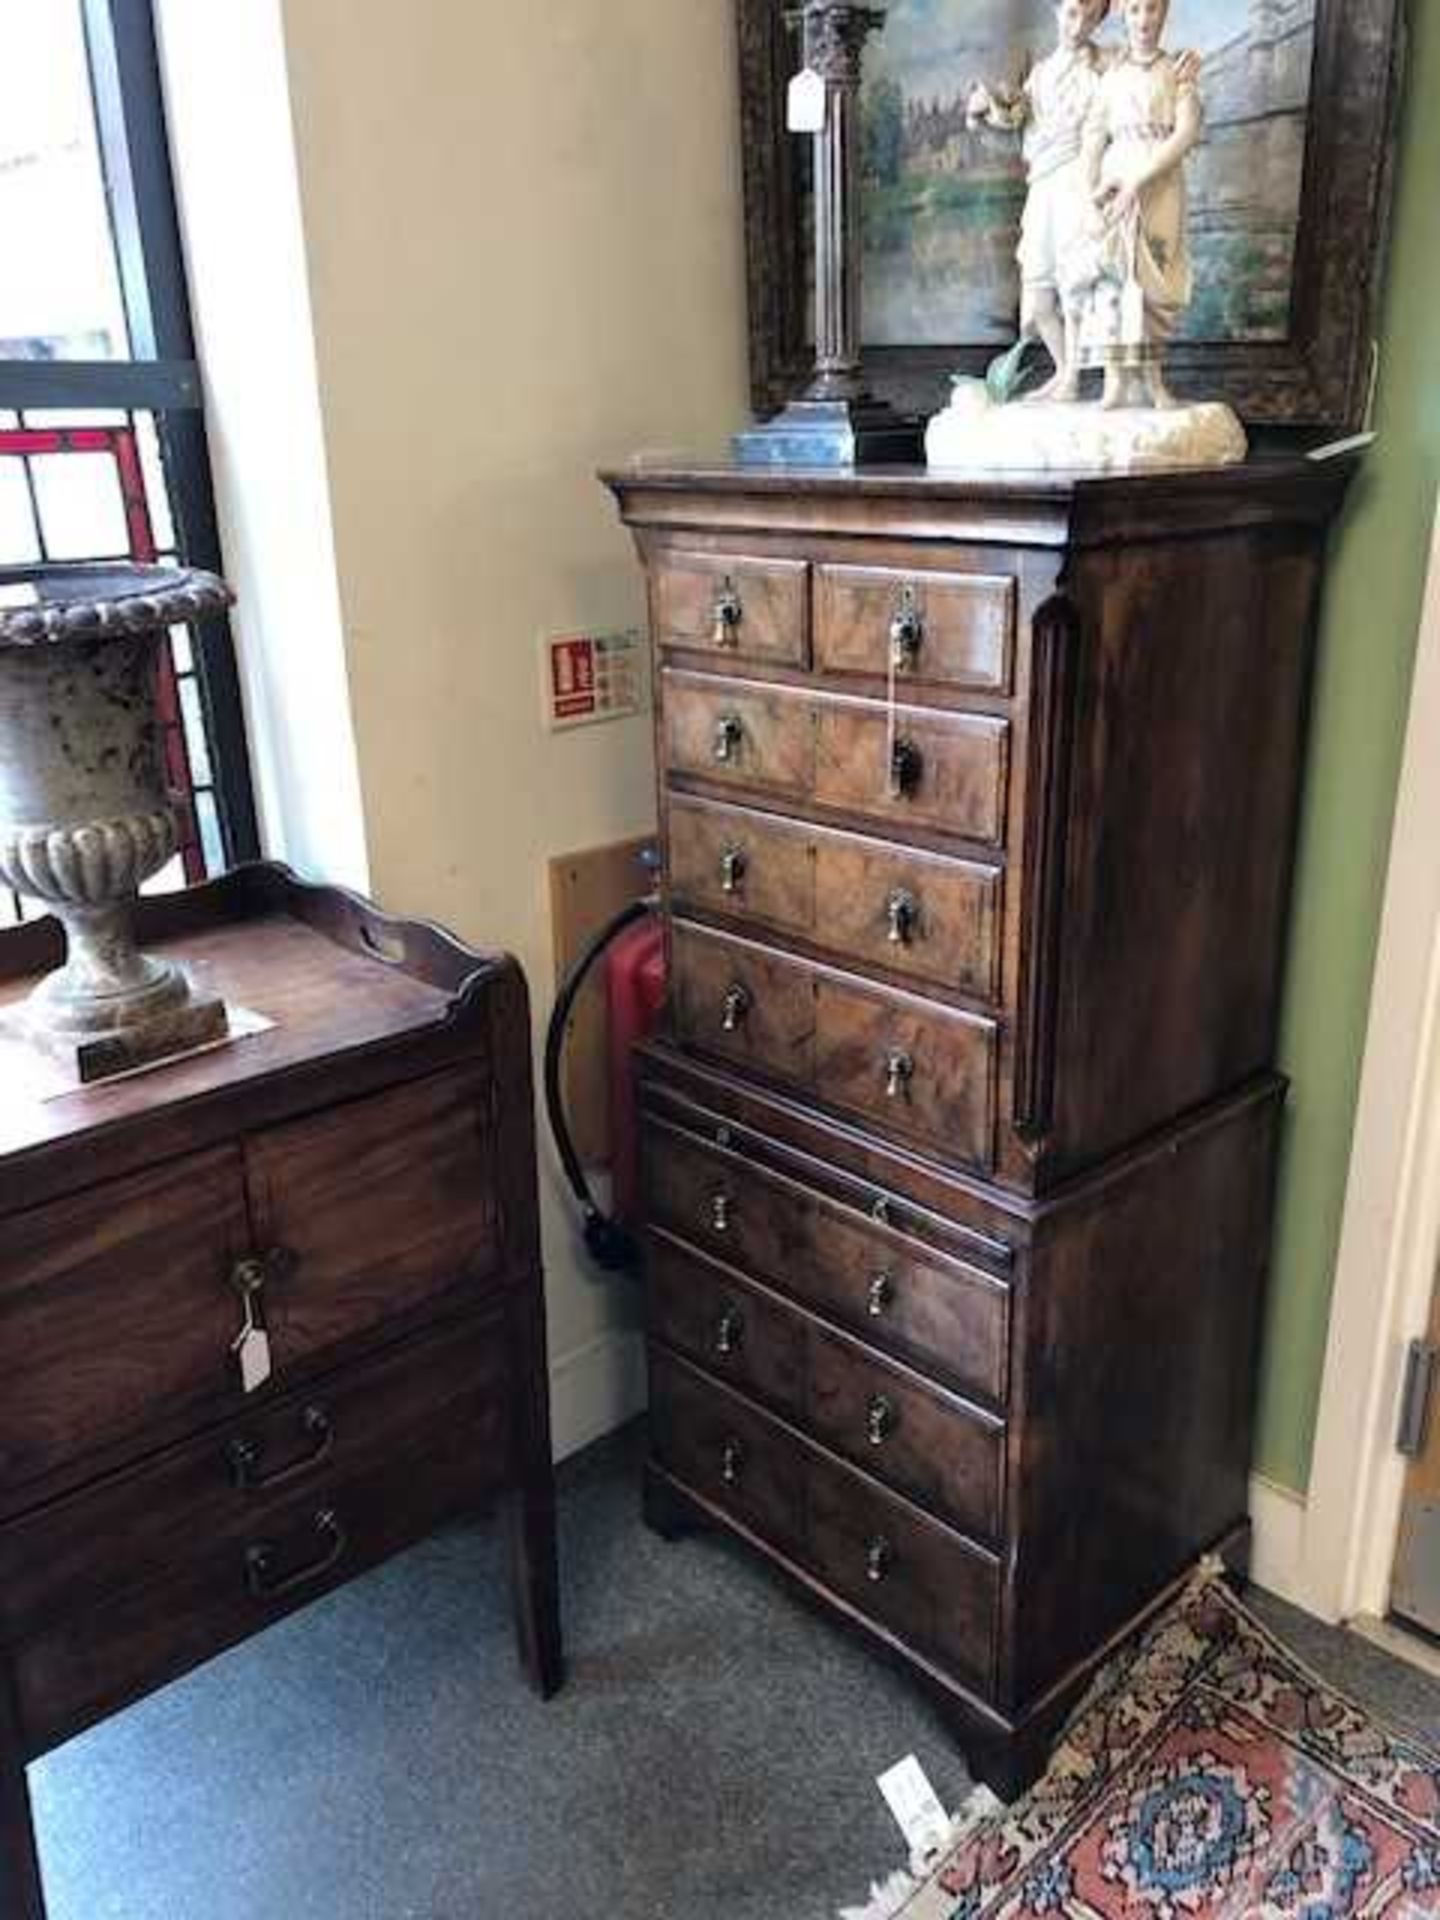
x=917 y=1810
x=805 y=103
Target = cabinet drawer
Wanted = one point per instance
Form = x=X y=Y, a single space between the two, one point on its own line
x=946 y=1455
x=944 y=629
x=761 y=738
x=728 y=1451
x=744 y=1003
x=912 y=1069
x=932 y=919
x=926 y=916
x=905 y=1571
x=751 y=866
x=742 y=608
x=133 y=1527
x=902 y=1295
x=725 y=1326
x=714 y=1201
x=380 y=1206
x=116 y=1307
x=945 y=771
x=74 y=1673
x=910 y=1574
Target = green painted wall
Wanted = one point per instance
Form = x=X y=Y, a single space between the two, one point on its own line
x=1367 y=648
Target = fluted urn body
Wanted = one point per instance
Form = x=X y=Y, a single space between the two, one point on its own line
x=86 y=815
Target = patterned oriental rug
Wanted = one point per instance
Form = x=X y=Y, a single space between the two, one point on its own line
x=1207 y=1776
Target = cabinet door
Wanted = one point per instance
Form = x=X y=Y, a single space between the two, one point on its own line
x=116 y=1307
x=374 y=1208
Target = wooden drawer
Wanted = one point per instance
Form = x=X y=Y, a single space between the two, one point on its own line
x=380 y=1206
x=902 y=1295
x=952 y=772
x=132 y=1527
x=907 y=1066
x=911 y=1574
x=907 y=1572
x=932 y=919
x=726 y=1450
x=945 y=629
x=223 y=1590
x=717 y=1321
x=741 y=608
x=743 y=1003
x=116 y=1307
x=910 y=1068
x=926 y=1443
x=938 y=1450
x=925 y=916
x=761 y=738
x=938 y=1312
x=752 y=866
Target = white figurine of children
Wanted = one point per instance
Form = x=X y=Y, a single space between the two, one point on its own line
x=1129 y=273
x=1051 y=110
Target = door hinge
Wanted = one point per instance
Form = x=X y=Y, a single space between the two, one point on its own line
x=1420 y=1364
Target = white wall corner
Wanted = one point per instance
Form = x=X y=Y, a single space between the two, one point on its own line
x=595 y=1388
x=233 y=151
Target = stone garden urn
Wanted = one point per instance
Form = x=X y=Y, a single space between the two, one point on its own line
x=86 y=814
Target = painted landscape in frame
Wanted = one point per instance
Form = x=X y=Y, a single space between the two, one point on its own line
x=943 y=201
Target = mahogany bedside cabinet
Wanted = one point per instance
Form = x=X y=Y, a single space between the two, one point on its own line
x=356 y=1183
x=977 y=803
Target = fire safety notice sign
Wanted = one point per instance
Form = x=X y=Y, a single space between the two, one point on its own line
x=593 y=676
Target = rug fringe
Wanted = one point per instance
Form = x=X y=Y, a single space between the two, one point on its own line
x=889 y=1898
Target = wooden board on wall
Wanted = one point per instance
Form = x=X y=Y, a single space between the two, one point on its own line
x=586 y=889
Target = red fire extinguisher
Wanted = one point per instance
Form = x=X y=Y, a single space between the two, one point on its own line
x=633 y=948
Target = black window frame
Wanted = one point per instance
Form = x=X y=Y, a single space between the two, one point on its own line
x=162 y=376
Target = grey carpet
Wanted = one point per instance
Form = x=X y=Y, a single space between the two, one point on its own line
x=378 y=1758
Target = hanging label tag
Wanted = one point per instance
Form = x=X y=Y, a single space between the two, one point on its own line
x=916 y=1807
x=253 y=1354
x=806 y=102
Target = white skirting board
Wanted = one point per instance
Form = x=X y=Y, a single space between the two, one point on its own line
x=1277 y=1550
x=594 y=1389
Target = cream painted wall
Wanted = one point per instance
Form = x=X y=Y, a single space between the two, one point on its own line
x=525 y=259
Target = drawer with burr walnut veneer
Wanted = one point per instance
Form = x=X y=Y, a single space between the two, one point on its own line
x=959 y=1132
x=356 y=1181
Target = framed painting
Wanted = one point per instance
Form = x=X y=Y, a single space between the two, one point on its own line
x=1289 y=192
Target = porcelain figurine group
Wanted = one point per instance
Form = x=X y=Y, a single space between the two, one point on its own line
x=1104 y=255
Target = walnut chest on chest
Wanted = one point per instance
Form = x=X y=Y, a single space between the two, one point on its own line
x=357 y=1181
x=978 y=803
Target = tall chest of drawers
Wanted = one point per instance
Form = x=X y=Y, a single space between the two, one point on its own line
x=358 y=1178
x=978 y=803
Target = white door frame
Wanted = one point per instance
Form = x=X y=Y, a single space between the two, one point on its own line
x=1390 y=1234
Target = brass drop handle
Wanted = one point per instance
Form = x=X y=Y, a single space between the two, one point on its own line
x=882 y=1417
x=726 y=613
x=907 y=630
x=720 y=1204
x=879 y=1559
x=732 y=1462
x=246 y=1455
x=734 y=1008
x=899 y=1072
x=729 y=732
x=907 y=764
x=732 y=869
x=881 y=1295
x=902 y=915
x=729 y=1333
x=260 y=1560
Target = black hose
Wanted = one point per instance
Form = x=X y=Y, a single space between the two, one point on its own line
x=608 y=1241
